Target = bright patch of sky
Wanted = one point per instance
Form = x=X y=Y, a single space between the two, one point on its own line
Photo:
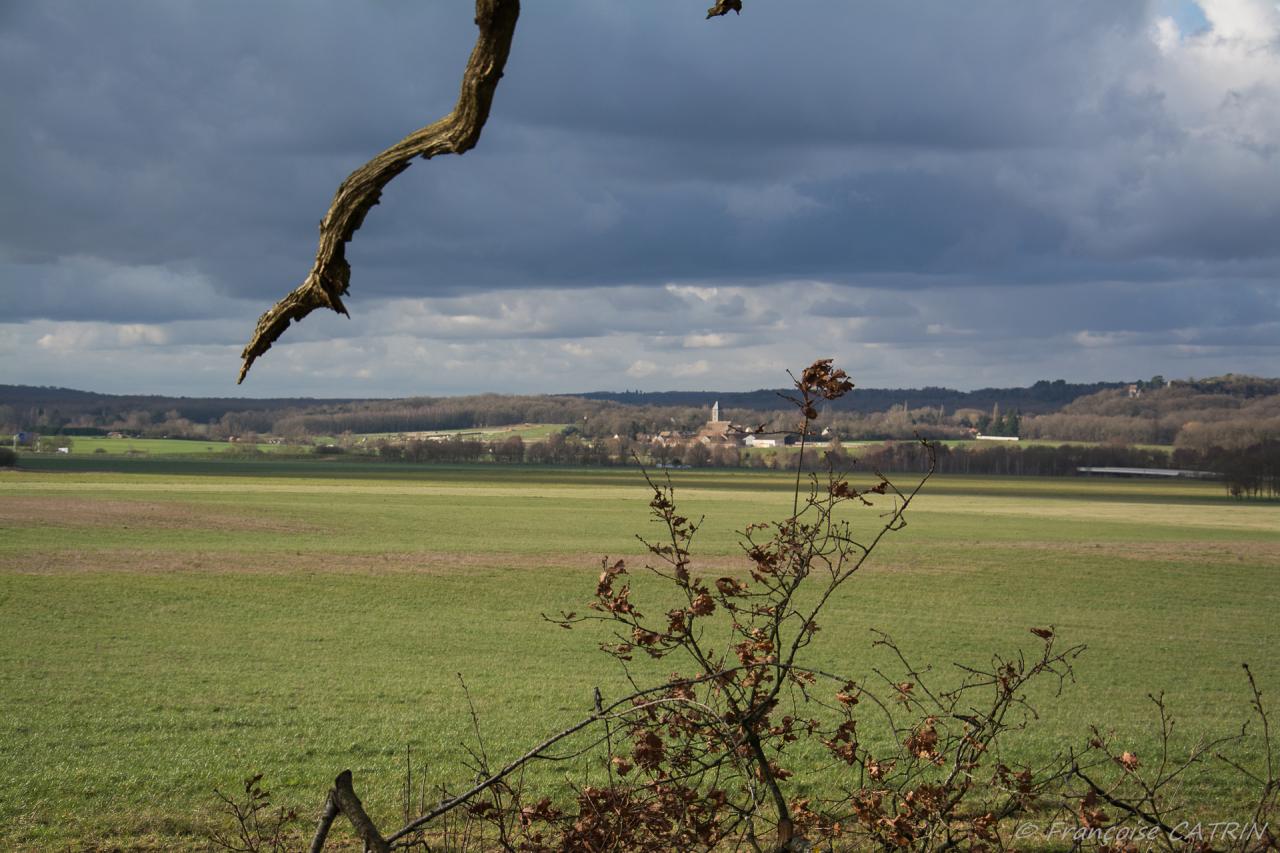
x=1187 y=14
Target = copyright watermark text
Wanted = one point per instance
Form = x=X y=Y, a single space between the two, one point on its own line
x=1202 y=831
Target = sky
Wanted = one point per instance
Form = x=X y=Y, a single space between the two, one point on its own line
x=930 y=192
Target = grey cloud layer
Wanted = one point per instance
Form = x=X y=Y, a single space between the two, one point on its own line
x=962 y=182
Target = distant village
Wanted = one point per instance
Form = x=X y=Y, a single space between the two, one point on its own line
x=716 y=432
x=1216 y=424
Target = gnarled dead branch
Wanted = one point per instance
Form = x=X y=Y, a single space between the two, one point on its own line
x=456 y=133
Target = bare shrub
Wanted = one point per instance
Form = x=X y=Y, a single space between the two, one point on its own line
x=259 y=827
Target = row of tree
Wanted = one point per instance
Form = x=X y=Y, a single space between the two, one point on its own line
x=1230 y=411
x=1252 y=471
x=1249 y=472
x=555 y=450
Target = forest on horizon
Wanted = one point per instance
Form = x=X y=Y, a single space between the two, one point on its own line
x=1226 y=411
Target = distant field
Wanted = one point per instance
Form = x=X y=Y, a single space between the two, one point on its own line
x=82 y=445
x=528 y=432
x=1046 y=442
x=95 y=445
x=167 y=625
x=967 y=443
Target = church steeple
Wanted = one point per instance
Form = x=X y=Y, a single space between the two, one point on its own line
x=715 y=412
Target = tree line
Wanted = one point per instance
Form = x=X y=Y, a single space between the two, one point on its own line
x=1246 y=472
x=1232 y=412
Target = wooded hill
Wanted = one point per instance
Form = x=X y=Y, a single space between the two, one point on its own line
x=32 y=402
x=1043 y=396
x=1224 y=411
x=1220 y=411
x=602 y=413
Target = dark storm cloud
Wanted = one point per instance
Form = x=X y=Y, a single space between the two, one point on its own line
x=953 y=172
x=151 y=133
x=928 y=74
x=213 y=132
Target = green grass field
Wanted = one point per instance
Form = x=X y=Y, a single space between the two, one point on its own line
x=169 y=626
x=99 y=445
